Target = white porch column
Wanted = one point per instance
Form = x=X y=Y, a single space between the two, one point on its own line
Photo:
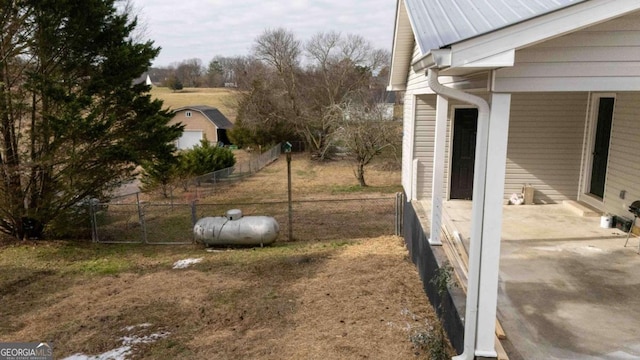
x=492 y=223
x=437 y=181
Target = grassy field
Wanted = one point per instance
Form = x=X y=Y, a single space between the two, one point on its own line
x=340 y=299
x=221 y=98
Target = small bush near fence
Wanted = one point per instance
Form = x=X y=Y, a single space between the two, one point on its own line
x=311 y=220
x=187 y=190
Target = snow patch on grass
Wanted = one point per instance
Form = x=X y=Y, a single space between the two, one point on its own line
x=123 y=351
x=185 y=263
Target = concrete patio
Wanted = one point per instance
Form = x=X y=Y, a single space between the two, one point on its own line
x=569 y=289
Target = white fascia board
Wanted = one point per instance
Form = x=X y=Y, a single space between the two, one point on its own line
x=397 y=87
x=539 y=29
x=503 y=59
x=617 y=83
x=439 y=58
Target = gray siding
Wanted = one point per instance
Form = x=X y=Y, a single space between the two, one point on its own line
x=546 y=133
x=624 y=155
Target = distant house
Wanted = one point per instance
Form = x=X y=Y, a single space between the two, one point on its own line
x=201 y=122
x=144 y=78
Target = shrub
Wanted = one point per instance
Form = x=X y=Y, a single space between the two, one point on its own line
x=202 y=159
x=159 y=174
x=205 y=158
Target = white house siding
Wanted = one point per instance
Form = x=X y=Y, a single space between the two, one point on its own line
x=546 y=134
x=624 y=155
x=407 y=145
x=579 y=60
x=415 y=83
x=424 y=140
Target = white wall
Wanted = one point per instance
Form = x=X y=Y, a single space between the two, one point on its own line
x=624 y=155
x=545 y=144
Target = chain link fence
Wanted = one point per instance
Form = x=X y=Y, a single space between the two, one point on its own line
x=342 y=219
x=205 y=185
x=131 y=219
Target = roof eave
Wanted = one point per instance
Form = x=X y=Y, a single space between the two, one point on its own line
x=497 y=46
x=497 y=49
x=402 y=49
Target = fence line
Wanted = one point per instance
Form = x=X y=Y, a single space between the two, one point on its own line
x=323 y=219
x=205 y=185
x=127 y=219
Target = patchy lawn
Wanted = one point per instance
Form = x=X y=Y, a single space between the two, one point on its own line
x=326 y=300
x=351 y=298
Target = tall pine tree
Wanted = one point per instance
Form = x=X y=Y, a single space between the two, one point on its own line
x=73 y=124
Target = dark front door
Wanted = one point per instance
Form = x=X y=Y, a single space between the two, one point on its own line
x=601 y=146
x=463 y=153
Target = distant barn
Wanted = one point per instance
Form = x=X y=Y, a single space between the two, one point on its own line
x=201 y=121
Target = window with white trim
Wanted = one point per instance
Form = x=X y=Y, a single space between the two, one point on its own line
x=187 y=114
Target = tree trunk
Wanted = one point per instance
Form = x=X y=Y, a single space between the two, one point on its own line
x=360 y=175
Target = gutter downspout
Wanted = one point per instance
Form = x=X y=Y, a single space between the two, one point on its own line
x=479 y=182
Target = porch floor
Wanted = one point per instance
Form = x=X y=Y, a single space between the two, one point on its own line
x=568 y=289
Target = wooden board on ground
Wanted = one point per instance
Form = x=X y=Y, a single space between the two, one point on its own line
x=457 y=254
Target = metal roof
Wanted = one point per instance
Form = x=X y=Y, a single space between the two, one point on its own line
x=439 y=23
x=211 y=113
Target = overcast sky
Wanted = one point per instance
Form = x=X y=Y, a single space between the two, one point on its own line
x=202 y=29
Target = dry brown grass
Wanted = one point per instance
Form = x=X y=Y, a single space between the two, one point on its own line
x=310 y=180
x=221 y=98
x=350 y=299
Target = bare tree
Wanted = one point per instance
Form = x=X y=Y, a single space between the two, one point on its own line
x=243 y=70
x=340 y=72
x=129 y=8
x=365 y=133
x=189 y=72
x=281 y=50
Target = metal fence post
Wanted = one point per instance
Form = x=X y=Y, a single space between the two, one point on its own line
x=399 y=213
x=194 y=216
x=141 y=219
x=93 y=220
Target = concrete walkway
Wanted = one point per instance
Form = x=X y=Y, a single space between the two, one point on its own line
x=568 y=288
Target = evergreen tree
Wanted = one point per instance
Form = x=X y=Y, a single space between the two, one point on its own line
x=205 y=158
x=72 y=125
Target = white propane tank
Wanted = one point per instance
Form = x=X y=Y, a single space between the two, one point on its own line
x=235 y=229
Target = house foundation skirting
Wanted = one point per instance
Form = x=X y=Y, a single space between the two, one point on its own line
x=428 y=259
